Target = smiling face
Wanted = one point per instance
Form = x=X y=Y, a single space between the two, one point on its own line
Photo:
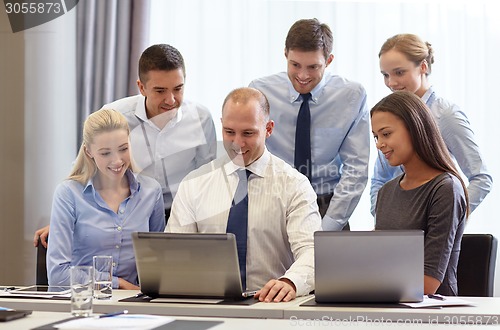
x=110 y=151
x=244 y=131
x=306 y=69
x=164 y=91
x=402 y=74
x=392 y=138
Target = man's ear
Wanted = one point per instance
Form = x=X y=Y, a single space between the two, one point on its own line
x=269 y=128
x=140 y=85
x=329 y=59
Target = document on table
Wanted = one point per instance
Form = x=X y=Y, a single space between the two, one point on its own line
x=38 y=295
x=125 y=321
x=439 y=301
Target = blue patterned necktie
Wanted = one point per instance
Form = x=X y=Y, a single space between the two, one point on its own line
x=302 y=160
x=237 y=222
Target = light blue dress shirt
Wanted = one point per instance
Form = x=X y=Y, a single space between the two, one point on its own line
x=459 y=138
x=82 y=226
x=340 y=138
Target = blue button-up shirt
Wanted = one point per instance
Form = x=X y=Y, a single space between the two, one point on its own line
x=82 y=226
x=340 y=137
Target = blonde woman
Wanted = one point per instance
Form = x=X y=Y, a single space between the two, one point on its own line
x=101 y=203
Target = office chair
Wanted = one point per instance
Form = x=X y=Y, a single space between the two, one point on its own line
x=41 y=264
x=476 y=265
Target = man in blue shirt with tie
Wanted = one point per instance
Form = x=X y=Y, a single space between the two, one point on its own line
x=322 y=123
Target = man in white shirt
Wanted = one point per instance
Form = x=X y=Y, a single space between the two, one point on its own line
x=282 y=210
x=169 y=135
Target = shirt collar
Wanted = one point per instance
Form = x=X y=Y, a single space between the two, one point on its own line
x=294 y=96
x=140 y=108
x=134 y=184
x=133 y=181
x=258 y=167
x=427 y=95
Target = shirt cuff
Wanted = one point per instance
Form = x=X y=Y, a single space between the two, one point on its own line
x=301 y=286
x=115 y=283
x=329 y=224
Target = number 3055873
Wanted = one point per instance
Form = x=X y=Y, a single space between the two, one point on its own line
x=33 y=8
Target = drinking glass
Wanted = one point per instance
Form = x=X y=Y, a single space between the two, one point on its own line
x=82 y=287
x=103 y=277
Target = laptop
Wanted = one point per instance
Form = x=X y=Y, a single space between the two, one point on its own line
x=384 y=266
x=174 y=265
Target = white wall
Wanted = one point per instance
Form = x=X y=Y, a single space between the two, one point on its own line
x=49 y=144
x=50 y=115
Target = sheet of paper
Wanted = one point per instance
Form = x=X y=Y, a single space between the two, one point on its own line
x=38 y=295
x=126 y=321
x=433 y=302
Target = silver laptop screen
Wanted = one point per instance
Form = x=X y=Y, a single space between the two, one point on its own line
x=369 y=266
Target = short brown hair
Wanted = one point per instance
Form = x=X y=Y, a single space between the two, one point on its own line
x=160 y=57
x=310 y=35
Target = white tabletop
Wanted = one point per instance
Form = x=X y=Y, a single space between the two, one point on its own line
x=483 y=311
x=38 y=319
x=257 y=310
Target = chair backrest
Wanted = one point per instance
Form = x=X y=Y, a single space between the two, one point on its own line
x=476 y=265
x=41 y=264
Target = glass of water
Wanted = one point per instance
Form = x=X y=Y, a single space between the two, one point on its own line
x=82 y=287
x=103 y=277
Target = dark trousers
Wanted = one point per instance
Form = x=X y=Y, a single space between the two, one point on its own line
x=323 y=203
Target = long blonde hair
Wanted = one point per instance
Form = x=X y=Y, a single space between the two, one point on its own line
x=104 y=120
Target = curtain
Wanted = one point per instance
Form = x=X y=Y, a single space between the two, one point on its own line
x=111 y=36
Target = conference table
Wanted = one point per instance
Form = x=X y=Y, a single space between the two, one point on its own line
x=289 y=315
x=182 y=308
x=40 y=320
